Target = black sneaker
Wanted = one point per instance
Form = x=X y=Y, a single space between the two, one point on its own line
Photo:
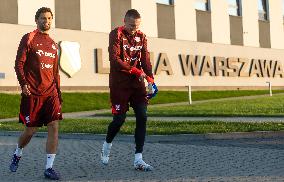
x=15 y=163
x=51 y=174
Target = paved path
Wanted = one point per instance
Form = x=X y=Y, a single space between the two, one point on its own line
x=175 y=158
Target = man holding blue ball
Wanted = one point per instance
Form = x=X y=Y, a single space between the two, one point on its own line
x=129 y=66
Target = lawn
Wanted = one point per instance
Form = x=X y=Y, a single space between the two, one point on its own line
x=73 y=102
x=95 y=126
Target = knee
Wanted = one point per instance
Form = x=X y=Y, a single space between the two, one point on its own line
x=119 y=119
x=53 y=126
x=30 y=131
x=140 y=112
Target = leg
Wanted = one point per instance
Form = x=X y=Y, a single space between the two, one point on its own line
x=119 y=99
x=52 y=113
x=140 y=130
x=24 y=139
x=114 y=126
x=28 y=115
x=52 y=137
x=29 y=110
x=113 y=129
x=51 y=148
x=51 y=143
x=26 y=136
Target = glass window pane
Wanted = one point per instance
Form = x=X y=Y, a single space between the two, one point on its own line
x=262 y=10
x=168 y=2
x=233 y=7
x=201 y=5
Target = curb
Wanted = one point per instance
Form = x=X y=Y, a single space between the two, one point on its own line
x=181 y=138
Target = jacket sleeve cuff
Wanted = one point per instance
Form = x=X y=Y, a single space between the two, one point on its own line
x=135 y=71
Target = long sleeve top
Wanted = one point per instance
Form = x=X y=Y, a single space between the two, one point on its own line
x=36 y=64
x=127 y=51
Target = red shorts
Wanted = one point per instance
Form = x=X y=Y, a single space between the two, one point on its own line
x=121 y=97
x=36 y=111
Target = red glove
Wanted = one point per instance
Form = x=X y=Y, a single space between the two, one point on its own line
x=136 y=71
x=149 y=79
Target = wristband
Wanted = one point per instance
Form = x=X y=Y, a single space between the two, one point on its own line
x=135 y=71
x=150 y=80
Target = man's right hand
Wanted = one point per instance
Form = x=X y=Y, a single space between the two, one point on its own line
x=26 y=90
x=142 y=76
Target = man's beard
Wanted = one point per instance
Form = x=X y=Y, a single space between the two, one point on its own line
x=44 y=28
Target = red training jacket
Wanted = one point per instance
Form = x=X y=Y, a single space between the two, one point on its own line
x=127 y=51
x=37 y=64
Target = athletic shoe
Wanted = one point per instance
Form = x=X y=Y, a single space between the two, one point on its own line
x=51 y=174
x=105 y=153
x=15 y=163
x=140 y=165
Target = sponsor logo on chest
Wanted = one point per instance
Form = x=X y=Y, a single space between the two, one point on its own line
x=127 y=45
x=46 y=54
x=47 y=66
x=132 y=48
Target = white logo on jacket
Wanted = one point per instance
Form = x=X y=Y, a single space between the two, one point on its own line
x=136 y=48
x=47 y=66
x=53 y=47
x=137 y=39
x=47 y=54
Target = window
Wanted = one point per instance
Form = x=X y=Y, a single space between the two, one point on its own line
x=167 y=2
x=202 y=5
x=234 y=7
x=263 y=10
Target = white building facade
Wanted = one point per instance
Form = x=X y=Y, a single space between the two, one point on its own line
x=208 y=44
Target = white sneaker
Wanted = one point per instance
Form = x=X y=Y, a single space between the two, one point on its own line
x=142 y=166
x=105 y=152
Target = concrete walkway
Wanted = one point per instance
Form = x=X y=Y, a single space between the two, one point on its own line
x=174 y=158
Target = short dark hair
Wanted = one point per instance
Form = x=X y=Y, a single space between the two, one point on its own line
x=43 y=10
x=132 y=13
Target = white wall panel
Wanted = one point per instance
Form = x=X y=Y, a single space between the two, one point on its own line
x=276 y=24
x=27 y=10
x=220 y=22
x=185 y=20
x=148 y=12
x=95 y=15
x=250 y=23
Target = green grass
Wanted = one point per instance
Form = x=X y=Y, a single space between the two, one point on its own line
x=9 y=106
x=265 y=106
x=154 y=127
x=10 y=103
x=73 y=102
